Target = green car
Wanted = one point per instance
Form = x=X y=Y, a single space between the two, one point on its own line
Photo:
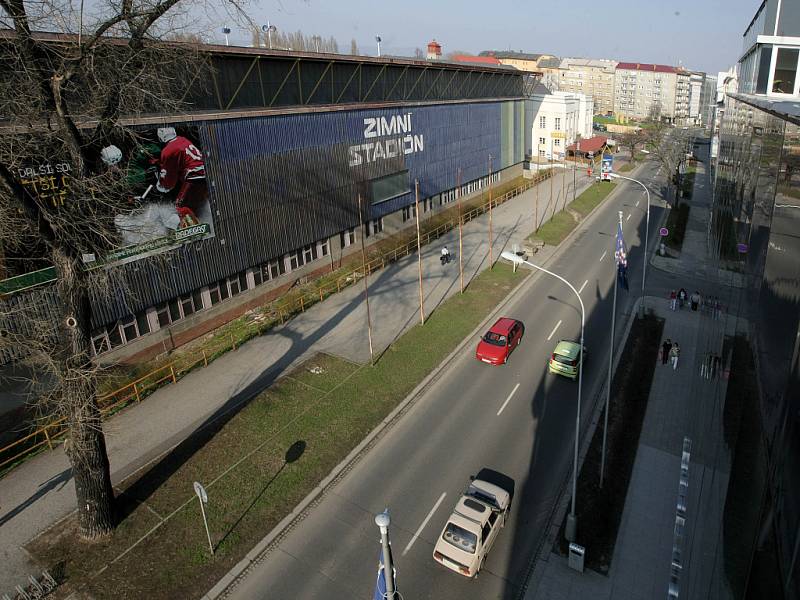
x=566 y=359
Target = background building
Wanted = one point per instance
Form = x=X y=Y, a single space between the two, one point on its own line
x=769 y=60
x=591 y=77
x=695 y=97
x=519 y=60
x=643 y=91
x=558 y=119
x=755 y=220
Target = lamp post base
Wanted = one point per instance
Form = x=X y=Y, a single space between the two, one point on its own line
x=571 y=528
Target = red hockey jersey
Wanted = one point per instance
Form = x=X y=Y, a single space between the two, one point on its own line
x=180 y=161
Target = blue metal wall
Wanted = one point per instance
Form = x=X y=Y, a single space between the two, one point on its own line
x=281 y=182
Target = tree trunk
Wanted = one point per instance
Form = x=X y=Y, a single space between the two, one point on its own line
x=85 y=445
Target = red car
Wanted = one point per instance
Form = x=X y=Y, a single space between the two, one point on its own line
x=500 y=341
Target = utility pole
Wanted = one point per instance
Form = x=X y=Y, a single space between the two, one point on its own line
x=491 y=256
x=419 y=255
x=366 y=287
x=536 y=204
x=460 y=233
x=550 y=165
x=383 y=521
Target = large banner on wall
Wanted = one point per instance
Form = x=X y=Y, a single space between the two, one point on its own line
x=165 y=201
x=169 y=203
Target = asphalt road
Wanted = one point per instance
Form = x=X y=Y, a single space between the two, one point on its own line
x=516 y=419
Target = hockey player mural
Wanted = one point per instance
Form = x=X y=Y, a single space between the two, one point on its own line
x=169 y=200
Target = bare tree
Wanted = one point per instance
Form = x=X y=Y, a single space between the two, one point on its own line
x=668 y=146
x=419 y=53
x=63 y=100
x=353 y=47
x=632 y=140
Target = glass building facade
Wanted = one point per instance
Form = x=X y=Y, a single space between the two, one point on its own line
x=754 y=233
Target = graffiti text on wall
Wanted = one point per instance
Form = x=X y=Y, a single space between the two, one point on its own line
x=395 y=138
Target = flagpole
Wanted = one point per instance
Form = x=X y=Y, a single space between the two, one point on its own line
x=610 y=362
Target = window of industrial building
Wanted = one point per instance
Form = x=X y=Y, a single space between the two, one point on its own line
x=373 y=227
x=115 y=336
x=391 y=186
x=785 y=71
x=322 y=248
x=190 y=304
x=348 y=237
x=295 y=260
x=409 y=212
x=309 y=253
x=542 y=122
x=271 y=270
x=237 y=284
x=218 y=292
x=100 y=342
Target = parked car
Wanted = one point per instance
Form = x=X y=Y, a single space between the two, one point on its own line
x=470 y=532
x=499 y=342
x=567 y=359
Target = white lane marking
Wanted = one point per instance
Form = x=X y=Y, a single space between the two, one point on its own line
x=583 y=286
x=516 y=387
x=637 y=203
x=554 y=330
x=629 y=217
x=425 y=522
x=604 y=255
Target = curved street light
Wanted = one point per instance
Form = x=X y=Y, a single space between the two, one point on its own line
x=572 y=519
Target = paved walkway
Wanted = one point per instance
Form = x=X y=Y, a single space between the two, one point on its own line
x=41 y=491
x=683 y=403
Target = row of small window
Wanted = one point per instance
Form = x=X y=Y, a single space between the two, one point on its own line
x=543 y=141
x=163 y=315
x=543 y=122
x=410 y=212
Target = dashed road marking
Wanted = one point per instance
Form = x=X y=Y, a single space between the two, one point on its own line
x=583 y=286
x=425 y=522
x=604 y=255
x=549 y=337
x=516 y=387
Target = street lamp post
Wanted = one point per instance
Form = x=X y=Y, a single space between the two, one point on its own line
x=269 y=29
x=572 y=519
x=646 y=229
x=382 y=520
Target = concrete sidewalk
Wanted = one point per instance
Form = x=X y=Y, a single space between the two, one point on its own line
x=41 y=491
x=683 y=403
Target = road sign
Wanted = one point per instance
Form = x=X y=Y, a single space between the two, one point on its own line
x=663 y=232
x=741 y=248
x=201 y=492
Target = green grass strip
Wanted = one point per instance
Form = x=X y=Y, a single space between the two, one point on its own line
x=326 y=406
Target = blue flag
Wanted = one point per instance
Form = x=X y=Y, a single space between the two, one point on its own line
x=621 y=258
x=380 y=584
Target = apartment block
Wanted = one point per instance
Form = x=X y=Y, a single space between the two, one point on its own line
x=591 y=77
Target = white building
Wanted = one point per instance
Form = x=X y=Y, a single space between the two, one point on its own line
x=557 y=120
x=695 y=97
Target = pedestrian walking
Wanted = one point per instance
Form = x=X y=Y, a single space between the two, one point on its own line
x=673 y=299
x=674 y=353
x=665 y=348
x=695 y=300
x=681 y=298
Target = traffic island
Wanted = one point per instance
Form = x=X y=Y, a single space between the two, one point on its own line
x=599 y=510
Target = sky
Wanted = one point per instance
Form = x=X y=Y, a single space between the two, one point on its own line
x=704 y=35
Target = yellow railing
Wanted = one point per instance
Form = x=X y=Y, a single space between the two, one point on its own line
x=277 y=311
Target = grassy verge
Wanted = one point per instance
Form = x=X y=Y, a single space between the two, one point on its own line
x=626 y=167
x=629 y=394
x=257 y=465
x=563 y=222
x=676 y=224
